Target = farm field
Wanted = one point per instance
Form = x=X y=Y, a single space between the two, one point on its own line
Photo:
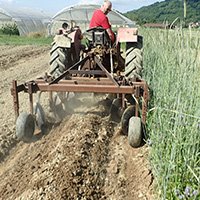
x=83 y=157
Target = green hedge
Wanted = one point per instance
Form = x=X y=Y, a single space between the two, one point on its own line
x=9 y=29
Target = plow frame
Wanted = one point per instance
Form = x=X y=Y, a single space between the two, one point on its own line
x=70 y=82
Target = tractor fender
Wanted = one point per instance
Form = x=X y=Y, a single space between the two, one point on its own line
x=127 y=35
x=63 y=41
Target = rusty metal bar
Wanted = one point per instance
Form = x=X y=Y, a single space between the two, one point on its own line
x=123 y=101
x=67 y=71
x=97 y=79
x=92 y=81
x=145 y=103
x=79 y=78
x=86 y=88
x=137 y=109
x=20 y=88
x=137 y=95
x=87 y=72
x=30 y=92
x=80 y=81
x=104 y=69
x=14 y=93
x=90 y=86
x=84 y=84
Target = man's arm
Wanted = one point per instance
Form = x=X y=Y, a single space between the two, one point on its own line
x=111 y=34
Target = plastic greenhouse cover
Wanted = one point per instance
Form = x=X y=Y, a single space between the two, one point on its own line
x=82 y=14
x=27 y=20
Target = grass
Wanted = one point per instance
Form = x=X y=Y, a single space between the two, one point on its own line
x=24 y=40
x=172 y=69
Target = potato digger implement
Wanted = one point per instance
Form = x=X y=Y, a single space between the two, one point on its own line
x=98 y=66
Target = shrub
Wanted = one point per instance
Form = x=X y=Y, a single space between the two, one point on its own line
x=9 y=29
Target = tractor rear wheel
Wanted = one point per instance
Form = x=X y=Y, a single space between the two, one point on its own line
x=133 y=60
x=60 y=59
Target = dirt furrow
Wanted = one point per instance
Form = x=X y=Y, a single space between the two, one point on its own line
x=23 y=69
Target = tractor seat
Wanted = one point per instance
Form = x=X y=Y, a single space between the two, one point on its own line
x=98 y=36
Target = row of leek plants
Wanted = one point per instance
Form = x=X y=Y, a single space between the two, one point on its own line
x=172 y=70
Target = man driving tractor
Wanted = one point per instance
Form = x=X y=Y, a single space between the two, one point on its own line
x=100 y=19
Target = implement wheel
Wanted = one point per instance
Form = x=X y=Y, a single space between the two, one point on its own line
x=116 y=110
x=57 y=106
x=135 y=135
x=128 y=113
x=25 y=127
x=39 y=117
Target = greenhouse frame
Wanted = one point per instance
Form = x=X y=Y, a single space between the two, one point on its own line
x=82 y=13
x=27 y=20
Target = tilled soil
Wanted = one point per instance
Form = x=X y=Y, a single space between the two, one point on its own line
x=82 y=157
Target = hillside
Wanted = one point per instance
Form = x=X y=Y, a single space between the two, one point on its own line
x=167 y=10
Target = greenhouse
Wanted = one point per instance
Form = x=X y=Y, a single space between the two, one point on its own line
x=27 y=20
x=81 y=15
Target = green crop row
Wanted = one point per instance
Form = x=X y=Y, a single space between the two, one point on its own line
x=172 y=70
x=34 y=39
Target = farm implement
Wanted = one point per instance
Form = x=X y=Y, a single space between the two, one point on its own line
x=99 y=67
